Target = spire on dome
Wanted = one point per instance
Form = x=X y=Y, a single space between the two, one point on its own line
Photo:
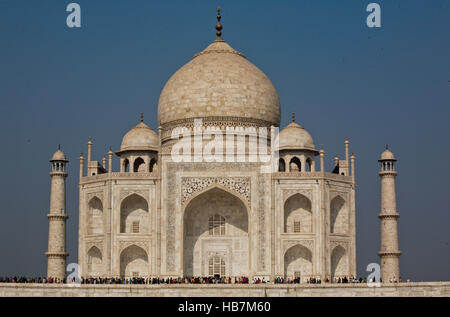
x=293 y=117
x=219 y=25
x=142 y=117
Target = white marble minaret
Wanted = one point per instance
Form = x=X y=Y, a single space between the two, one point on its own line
x=57 y=217
x=389 y=253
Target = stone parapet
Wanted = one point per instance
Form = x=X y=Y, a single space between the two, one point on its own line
x=416 y=289
x=118 y=175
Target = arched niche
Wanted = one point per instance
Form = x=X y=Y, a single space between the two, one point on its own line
x=133 y=262
x=134 y=209
x=339 y=265
x=298 y=214
x=94 y=262
x=298 y=262
x=339 y=216
x=95 y=216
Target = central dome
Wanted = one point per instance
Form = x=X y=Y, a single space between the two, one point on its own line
x=219 y=83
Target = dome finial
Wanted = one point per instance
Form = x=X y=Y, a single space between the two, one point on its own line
x=218 y=25
x=142 y=117
x=387 y=147
x=59 y=146
x=293 y=117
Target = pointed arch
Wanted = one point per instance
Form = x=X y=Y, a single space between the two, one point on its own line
x=339 y=216
x=134 y=262
x=308 y=166
x=281 y=165
x=298 y=214
x=95 y=216
x=221 y=187
x=232 y=244
x=134 y=209
x=298 y=261
x=153 y=166
x=139 y=165
x=339 y=265
x=126 y=166
x=295 y=165
x=94 y=262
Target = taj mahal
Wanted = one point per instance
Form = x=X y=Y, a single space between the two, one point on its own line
x=160 y=217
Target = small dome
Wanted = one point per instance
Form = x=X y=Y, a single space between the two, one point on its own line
x=140 y=138
x=59 y=156
x=295 y=137
x=387 y=155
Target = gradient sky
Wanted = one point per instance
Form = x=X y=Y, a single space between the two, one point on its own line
x=342 y=79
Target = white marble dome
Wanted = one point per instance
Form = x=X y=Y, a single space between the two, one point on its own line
x=59 y=156
x=140 y=138
x=387 y=155
x=219 y=82
x=295 y=137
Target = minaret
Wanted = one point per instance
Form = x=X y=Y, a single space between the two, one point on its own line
x=389 y=253
x=57 y=217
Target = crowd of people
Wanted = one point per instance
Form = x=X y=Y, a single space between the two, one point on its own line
x=186 y=280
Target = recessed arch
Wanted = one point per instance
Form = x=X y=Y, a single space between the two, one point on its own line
x=199 y=245
x=339 y=216
x=298 y=261
x=134 y=208
x=298 y=214
x=133 y=262
x=339 y=265
x=94 y=262
x=95 y=216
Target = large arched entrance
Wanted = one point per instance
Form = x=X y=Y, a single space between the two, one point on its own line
x=215 y=226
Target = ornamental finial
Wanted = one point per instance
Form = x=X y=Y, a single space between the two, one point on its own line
x=293 y=117
x=142 y=117
x=218 y=25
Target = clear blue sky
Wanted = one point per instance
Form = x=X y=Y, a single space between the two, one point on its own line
x=343 y=79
